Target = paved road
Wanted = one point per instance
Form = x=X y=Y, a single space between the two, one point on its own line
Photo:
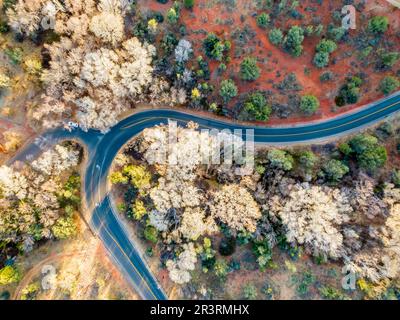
x=102 y=149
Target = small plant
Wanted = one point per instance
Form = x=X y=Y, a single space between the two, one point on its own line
x=249 y=71
x=14 y=54
x=228 y=90
x=276 y=36
x=250 y=292
x=309 y=104
x=263 y=20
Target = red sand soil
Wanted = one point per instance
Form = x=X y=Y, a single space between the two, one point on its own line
x=207 y=13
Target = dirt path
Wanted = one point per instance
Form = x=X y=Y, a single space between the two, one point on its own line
x=34 y=271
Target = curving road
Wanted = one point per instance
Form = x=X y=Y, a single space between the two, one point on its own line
x=102 y=149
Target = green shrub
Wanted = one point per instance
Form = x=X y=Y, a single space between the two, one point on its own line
x=389 y=84
x=9 y=275
x=280 y=159
x=249 y=70
x=309 y=104
x=275 y=36
x=335 y=170
x=228 y=90
x=293 y=41
x=263 y=20
x=256 y=108
x=378 y=24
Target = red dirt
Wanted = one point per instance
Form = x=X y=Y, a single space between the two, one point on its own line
x=272 y=59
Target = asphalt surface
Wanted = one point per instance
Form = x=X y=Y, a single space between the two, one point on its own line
x=103 y=148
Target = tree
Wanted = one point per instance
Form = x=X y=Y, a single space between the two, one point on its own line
x=5 y=81
x=280 y=159
x=9 y=275
x=388 y=59
x=293 y=41
x=335 y=170
x=173 y=15
x=221 y=269
x=308 y=160
x=227 y=246
x=151 y=234
x=263 y=20
x=326 y=45
x=378 y=24
x=236 y=207
x=139 y=176
x=321 y=59
x=389 y=84
x=349 y=93
x=108 y=27
x=188 y=4
x=309 y=104
x=276 y=36
x=250 y=292
x=214 y=47
x=183 y=51
x=249 y=70
x=324 y=49
x=312 y=216
x=186 y=261
x=369 y=154
x=256 y=108
x=65 y=228
x=228 y=90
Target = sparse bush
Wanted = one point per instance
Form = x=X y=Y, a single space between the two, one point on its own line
x=293 y=41
x=249 y=70
x=389 y=84
x=228 y=90
x=378 y=24
x=263 y=20
x=275 y=36
x=309 y=104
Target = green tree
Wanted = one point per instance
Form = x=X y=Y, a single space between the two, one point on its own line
x=118 y=177
x=369 y=154
x=388 y=59
x=249 y=70
x=214 y=47
x=378 y=24
x=228 y=90
x=337 y=33
x=309 y=104
x=64 y=228
x=263 y=20
x=280 y=159
x=9 y=275
x=221 y=269
x=308 y=160
x=138 y=176
x=326 y=45
x=335 y=170
x=389 y=84
x=250 y=292
x=324 y=49
x=151 y=234
x=396 y=178
x=256 y=108
x=275 y=36
x=321 y=59
x=293 y=41
x=172 y=15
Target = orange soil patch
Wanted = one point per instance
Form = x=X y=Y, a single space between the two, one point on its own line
x=212 y=16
